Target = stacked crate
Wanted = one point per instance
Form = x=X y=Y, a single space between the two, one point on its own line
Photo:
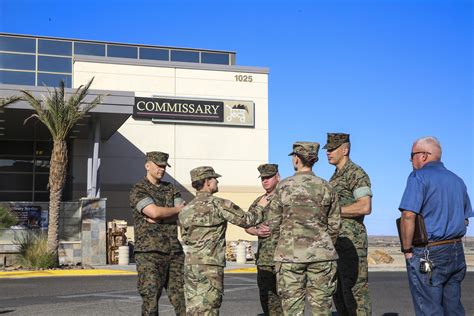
x=116 y=237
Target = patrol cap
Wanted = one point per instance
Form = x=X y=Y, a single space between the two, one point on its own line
x=158 y=157
x=204 y=172
x=268 y=170
x=335 y=140
x=308 y=150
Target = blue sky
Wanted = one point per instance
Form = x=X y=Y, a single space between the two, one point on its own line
x=387 y=72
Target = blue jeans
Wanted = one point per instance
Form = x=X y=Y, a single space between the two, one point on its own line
x=440 y=292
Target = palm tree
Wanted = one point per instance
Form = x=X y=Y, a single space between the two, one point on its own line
x=59 y=113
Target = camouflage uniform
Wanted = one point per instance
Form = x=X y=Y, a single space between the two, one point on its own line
x=158 y=253
x=266 y=275
x=203 y=227
x=351 y=183
x=305 y=217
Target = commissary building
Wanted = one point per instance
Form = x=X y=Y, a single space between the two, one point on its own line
x=198 y=105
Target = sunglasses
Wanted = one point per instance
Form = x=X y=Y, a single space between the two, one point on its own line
x=418 y=152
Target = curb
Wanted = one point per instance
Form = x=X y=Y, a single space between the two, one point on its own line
x=61 y=273
x=241 y=270
x=111 y=272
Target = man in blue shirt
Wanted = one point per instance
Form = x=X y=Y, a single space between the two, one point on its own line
x=435 y=271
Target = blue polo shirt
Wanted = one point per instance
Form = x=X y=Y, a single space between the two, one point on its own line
x=441 y=197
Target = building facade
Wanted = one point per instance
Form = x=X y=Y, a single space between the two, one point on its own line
x=195 y=104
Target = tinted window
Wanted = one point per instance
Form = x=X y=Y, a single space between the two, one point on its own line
x=54 y=47
x=11 y=147
x=54 y=64
x=44 y=148
x=17 y=61
x=14 y=77
x=89 y=49
x=16 y=181
x=53 y=80
x=121 y=51
x=16 y=44
x=181 y=55
x=155 y=54
x=41 y=182
x=41 y=197
x=213 y=58
x=16 y=196
x=11 y=165
x=42 y=165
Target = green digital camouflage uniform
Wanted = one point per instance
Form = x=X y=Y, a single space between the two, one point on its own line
x=305 y=218
x=352 y=296
x=158 y=252
x=203 y=226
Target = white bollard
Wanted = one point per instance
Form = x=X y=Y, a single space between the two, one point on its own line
x=123 y=254
x=241 y=256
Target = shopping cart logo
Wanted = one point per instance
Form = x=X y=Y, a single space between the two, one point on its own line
x=238 y=111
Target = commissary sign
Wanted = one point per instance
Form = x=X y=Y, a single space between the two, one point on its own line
x=225 y=112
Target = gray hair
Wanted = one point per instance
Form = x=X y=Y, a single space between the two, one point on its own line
x=431 y=144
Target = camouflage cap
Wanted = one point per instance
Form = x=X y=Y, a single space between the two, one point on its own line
x=308 y=150
x=158 y=157
x=204 y=172
x=268 y=170
x=335 y=140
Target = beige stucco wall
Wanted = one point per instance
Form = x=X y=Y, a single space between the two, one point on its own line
x=234 y=152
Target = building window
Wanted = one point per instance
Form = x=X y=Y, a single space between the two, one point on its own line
x=17 y=61
x=49 y=47
x=89 y=49
x=214 y=58
x=121 y=51
x=17 y=44
x=24 y=170
x=185 y=56
x=16 y=77
x=54 y=64
x=154 y=54
x=54 y=80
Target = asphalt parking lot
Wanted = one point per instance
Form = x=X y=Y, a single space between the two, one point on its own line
x=117 y=295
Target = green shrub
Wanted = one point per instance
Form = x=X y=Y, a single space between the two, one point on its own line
x=33 y=251
x=7 y=219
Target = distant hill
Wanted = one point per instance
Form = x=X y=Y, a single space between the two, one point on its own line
x=393 y=241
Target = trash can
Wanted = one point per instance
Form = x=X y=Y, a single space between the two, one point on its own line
x=123 y=255
x=241 y=253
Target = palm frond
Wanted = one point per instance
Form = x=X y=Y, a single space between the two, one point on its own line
x=59 y=112
x=9 y=100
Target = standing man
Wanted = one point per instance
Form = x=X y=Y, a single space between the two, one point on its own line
x=352 y=185
x=435 y=272
x=266 y=275
x=304 y=216
x=203 y=227
x=160 y=259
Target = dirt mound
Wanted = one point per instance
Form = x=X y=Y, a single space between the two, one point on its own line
x=378 y=257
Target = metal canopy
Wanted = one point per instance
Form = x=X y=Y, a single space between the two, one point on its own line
x=113 y=111
x=99 y=124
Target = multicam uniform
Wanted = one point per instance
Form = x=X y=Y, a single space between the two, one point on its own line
x=203 y=227
x=266 y=275
x=352 y=296
x=306 y=210
x=158 y=253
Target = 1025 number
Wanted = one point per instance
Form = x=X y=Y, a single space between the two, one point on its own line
x=243 y=78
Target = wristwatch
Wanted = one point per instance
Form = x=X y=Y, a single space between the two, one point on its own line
x=409 y=250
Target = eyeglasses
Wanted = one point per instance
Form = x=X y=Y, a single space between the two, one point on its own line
x=418 y=152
